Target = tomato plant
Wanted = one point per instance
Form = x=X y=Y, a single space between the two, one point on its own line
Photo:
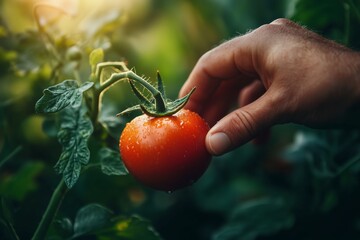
x=167 y=152
x=298 y=184
x=82 y=116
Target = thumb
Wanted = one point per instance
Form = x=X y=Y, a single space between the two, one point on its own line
x=242 y=125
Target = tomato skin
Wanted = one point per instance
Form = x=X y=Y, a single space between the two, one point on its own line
x=166 y=153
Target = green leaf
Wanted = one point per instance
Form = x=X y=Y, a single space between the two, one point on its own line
x=138 y=94
x=323 y=16
x=329 y=153
x=91 y=218
x=171 y=107
x=17 y=186
x=111 y=163
x=110 y=121
x=101 y=23
x=160 y=85
x=59 y=96
x=179 y=103
x=65 y=225
x=97 y=220
x=257 y=218
x=96 y=56
x=129 y=110
x=132 y=228
x=30 y=52
x=75 y=130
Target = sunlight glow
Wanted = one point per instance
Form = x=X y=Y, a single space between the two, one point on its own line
x=19 y=14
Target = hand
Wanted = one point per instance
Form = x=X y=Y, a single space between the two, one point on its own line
x=278 y=73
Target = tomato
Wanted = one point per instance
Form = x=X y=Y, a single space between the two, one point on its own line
x=166 y=153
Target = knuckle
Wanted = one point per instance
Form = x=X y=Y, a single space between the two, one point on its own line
x=280 y=25
x=206 y=56
x=282 y=21
x=243 y=123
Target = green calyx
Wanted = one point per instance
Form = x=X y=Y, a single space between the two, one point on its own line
x=157 y=105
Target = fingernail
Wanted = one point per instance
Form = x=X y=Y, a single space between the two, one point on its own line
x=219 y=143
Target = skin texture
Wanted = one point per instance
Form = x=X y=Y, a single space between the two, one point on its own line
x=277 y=73
x=166 y=153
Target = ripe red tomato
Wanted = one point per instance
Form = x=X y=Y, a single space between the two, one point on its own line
x=166 y=153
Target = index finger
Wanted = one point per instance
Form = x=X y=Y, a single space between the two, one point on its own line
x=230 y=60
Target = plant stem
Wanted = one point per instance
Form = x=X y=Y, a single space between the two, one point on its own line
x=48 y=40
x=347 y=24
x=95 y=107
x=355 y=9
x=51 y=210
x=117 y=65
x=116 y=77
x=7 y=220
x=11 y=155
x=347 y=165
x=160 y=102
x=12 y=231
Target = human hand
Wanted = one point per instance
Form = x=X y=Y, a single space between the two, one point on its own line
x=278 y=73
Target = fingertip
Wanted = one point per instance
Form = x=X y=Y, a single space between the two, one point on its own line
x=217 y=143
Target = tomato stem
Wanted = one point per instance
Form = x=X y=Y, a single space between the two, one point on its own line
x=51 y=210
x=116 y=77
x=120 y=66
x=159 y=100
x=101 y=87
x=159 y=107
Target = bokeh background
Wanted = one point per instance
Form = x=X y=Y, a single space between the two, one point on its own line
x=298 y=184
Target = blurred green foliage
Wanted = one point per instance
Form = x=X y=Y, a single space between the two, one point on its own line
x=302 y=184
